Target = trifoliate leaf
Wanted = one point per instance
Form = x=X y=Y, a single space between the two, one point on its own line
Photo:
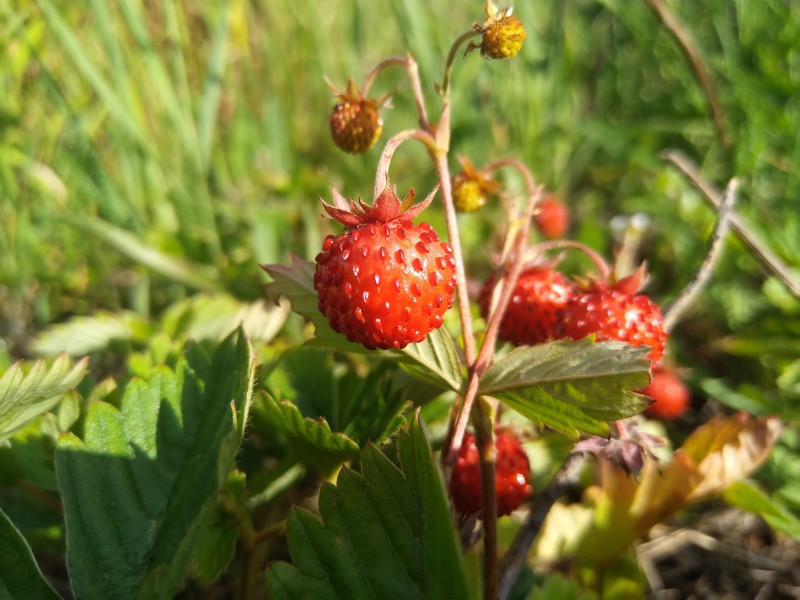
x=384 y=533
x=571 y=386
x=27 y=393
x=140 y=488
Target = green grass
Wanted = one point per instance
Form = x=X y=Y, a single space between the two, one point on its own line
x=149 y=151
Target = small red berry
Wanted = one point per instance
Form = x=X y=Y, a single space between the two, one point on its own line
x=533 y=311
x=670 y=395
x=512 y=475
x=384 y=282
x=616 y=312
x=551 y=217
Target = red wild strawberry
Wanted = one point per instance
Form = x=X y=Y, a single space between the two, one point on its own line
x=551 y=217
x=384 y=282
x=670 y=395
x=616 y=312
x=533 y=310
x=512 y=475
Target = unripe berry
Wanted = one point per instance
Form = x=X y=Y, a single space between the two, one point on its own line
x=356 y=123
x=471 y=187
x=503 y=38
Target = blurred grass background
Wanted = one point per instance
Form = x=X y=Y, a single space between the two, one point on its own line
x=151 y=150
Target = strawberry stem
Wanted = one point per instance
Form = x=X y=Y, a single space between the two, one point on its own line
x=603 y=269
x=444 y=90
x=382 y=173
x=486 y=451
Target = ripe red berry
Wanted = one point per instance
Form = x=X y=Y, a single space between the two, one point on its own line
x=616 y=312
x=533 y=311
x=552 y=217
x=512 y=475
x=670 y=395
x=384 y=282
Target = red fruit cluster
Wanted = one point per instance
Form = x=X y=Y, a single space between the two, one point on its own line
x=616 y=312
x=533 y=312
x=384 y=282
x=670 y=395
x=512 y=475
x=545 y=305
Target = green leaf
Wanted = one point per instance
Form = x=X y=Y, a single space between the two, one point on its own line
x=83 y=335
x=25 y=396
x=312 y=441
x=141 y=487
x=435 y=360
x=384 y=533
x=571 y=386
x=747 y=496
x=20 y=576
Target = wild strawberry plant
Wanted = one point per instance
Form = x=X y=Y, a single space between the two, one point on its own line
x=391 y=454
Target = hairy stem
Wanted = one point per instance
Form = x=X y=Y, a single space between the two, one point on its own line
x=379 y=68
x=602 y=266
x=382 y=173
x=507 y=283
x=484 y=438
x=451 y=57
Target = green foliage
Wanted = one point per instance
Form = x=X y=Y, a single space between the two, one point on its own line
x=311 y=441
x=571 y=386
x=151 y=156
x=384 y=533
x=139 y=490
x=20 y=576
x=28 y=391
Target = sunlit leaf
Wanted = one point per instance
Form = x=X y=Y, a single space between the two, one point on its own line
x=83 y=335
x=571 y=386
x=140 y=488
x=26 y=394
